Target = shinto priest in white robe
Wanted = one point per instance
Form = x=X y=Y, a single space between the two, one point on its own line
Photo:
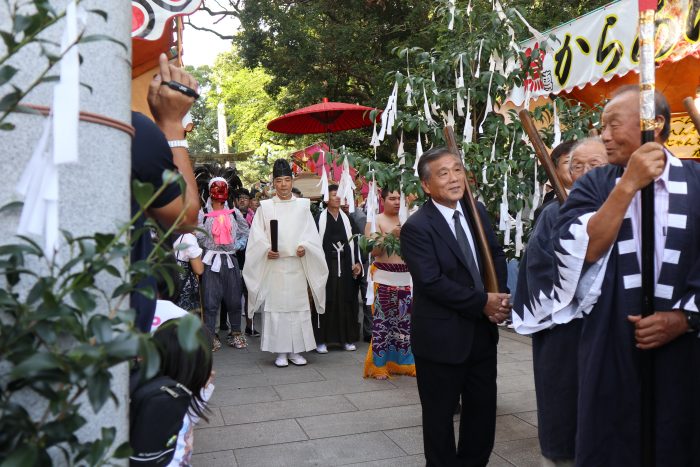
x=279 y=286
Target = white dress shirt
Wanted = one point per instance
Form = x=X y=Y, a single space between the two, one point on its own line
x=660 y=218
x=448 y=214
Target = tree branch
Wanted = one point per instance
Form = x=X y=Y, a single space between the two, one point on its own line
x=199 y=28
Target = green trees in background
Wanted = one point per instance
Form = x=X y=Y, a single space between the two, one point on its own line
x=356 y=50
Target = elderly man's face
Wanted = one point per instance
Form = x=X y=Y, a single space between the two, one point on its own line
x=621 y=134
x=587 y=157
x=447 y=181
x=563 y=171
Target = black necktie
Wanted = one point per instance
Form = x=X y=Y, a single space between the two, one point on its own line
x=466 y=251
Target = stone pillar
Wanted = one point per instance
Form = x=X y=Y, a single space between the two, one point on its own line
x=94 y=193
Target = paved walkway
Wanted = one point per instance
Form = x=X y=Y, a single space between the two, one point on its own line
x=326 y=414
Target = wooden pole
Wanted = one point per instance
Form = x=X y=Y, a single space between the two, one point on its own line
x=542 y=154
x=647 y=10
x=490 y=278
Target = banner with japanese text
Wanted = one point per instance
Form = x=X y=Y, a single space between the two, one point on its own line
x=604 y=44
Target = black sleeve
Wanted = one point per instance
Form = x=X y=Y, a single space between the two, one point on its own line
x=150 y=157
x=419 y=253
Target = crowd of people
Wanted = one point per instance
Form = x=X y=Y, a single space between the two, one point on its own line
x=426 y=308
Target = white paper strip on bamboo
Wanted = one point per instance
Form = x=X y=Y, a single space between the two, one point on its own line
x=518 y=232
x=346 y=187
x=489 y=104
x=536 y=195
x=401 y=152
x=468 y=132
x=459 y=84
x=557 y=126
x=324 y=184
x=426 y=108
x=452 y=8
x=372 y=205
x=389 y=114
x=375 y=136
x=58 y=144
x=419 y=153
x=478 y=59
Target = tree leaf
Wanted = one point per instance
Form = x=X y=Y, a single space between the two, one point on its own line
x=34 y=364
x=98 y=389
x=22 y=457
x=142 y=192
x=103 y=37
x=6 y=73
x=101 y=328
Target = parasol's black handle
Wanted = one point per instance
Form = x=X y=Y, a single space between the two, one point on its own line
x=273 y=234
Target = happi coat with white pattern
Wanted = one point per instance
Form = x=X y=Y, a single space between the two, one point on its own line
x=603 y=294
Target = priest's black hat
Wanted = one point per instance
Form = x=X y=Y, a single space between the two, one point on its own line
x=281 y=168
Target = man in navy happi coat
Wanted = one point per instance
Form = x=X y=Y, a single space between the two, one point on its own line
x=554 y=347
x=597 y=253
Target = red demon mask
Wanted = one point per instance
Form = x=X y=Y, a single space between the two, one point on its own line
x=218 y=190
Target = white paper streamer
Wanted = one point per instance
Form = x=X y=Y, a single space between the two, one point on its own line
x=375 y=136
x=39 y=183
x=372 y=205
x=468 y=132
x=346 y=187
x=493 y=147
x=451 y=26
x=389 y=114
x=469 y=8
x=401 y=152
x=426 y=108
x=535 y=196
x=518 y=233
x=478 y=59
x=324 y=183
x=489 y=104
x=419 y=152
x=66 y=94
x=409 y=94
x=557 y=126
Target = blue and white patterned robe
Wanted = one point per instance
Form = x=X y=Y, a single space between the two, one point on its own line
x=554 y=347
x=604 y=294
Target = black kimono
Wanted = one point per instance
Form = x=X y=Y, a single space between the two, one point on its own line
x=340 y=323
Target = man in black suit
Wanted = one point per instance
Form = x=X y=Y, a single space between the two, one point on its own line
x=454 y=332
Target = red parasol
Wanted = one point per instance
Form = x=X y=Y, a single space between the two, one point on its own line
x=326 y=117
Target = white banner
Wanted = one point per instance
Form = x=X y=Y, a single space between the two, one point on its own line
x=604 y=44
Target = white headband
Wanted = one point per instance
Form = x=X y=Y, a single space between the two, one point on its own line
x=217 y=179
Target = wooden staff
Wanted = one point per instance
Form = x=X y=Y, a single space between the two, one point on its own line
x=542 y=154
x=490 y=278
x=647 y=114
x=693 y=113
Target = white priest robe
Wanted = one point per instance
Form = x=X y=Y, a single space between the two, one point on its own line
x=279 y=286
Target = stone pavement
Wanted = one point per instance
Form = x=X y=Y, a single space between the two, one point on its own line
x=326 y=414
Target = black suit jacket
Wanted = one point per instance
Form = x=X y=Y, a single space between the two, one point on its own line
x=445 y=305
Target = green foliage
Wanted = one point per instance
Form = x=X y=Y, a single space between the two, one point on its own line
x=65 y=321
x=388 y=242
x=248 y=109
x=28 y=20
x=60 y=340
x=498 y=152
x=204 y=137
x=327 y=48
